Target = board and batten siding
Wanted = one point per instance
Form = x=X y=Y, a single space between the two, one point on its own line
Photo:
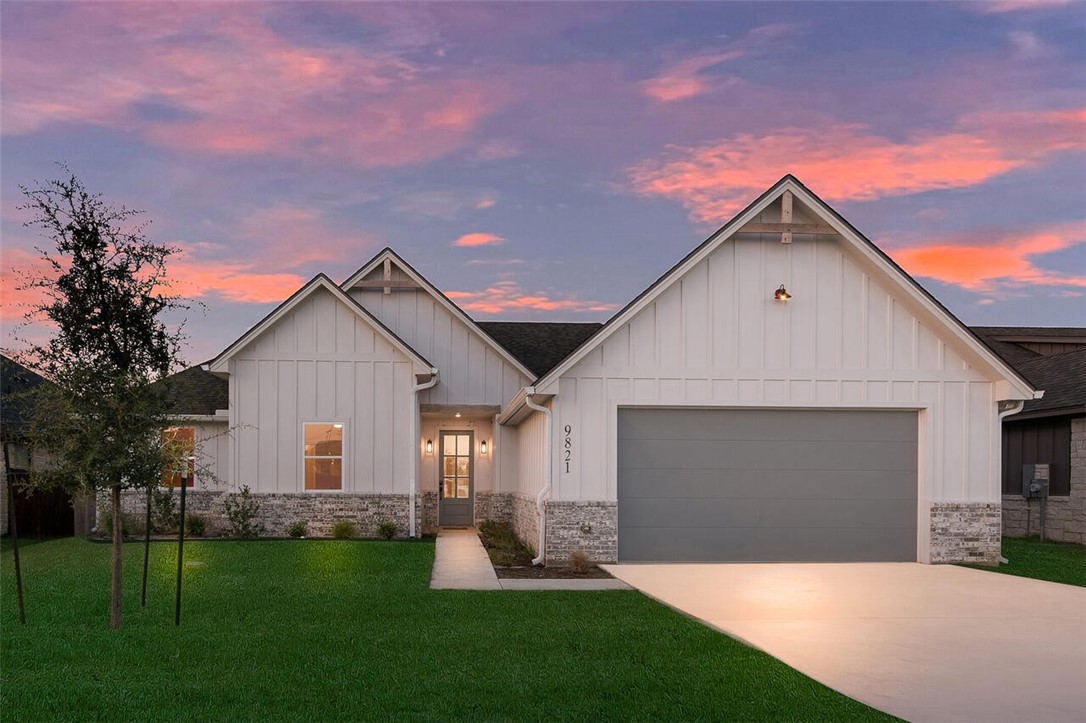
x=321 y=363
x=212 y=442
x=716 y=337
x=472 y=372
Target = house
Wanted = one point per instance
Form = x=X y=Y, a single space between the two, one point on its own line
x=40 y=513
x=1050 y=430
x=784 y=392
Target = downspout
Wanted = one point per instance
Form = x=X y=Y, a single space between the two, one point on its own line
x=539 y=499
x=1014 y=408
x=415 y=452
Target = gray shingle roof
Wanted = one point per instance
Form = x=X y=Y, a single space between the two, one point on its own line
x=1062 y=376
x=195 y=391
x=14 y=380
x=540 y=346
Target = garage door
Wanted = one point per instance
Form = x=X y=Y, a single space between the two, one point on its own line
x=714 y=485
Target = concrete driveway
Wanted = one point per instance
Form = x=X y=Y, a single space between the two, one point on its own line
x=922 y=642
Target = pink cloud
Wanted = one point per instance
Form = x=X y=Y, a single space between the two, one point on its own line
x=1008 y=6
x=16 y=267
x=683 y=80
x=478 y=239
x=850 y=163
x=231 y=281
x=995 y=264
x=506 y=296
x=227 y=84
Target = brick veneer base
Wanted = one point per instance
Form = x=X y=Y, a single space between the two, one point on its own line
x=965 y=532
x=1065 y=515
x=318 y=511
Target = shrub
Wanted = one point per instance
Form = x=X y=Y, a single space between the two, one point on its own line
x=241 y=514
x=129 y=525
x=195 y=524
x=296 y=529
x=164 y=518
x=579 y=562
x=387 y=529
x=343 y=530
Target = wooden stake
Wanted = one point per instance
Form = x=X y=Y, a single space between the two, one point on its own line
x=146 y=550
x=14 y=537
x=181 y=543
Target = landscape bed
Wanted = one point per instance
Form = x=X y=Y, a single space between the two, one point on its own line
x=314 y=629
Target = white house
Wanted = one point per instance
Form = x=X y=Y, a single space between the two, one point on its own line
x=785 y=392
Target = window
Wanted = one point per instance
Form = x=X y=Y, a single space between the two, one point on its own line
x=180 y=443
x=323 y=455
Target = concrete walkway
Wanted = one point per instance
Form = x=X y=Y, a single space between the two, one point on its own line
x=461 y=563
x=922 y=642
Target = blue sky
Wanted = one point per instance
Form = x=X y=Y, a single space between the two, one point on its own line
x=548 y=161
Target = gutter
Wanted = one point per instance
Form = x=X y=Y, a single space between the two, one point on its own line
x=529 y=392
x=434 y=375
x=1014 y=408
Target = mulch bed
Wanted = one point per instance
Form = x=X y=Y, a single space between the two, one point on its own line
x=531 y=572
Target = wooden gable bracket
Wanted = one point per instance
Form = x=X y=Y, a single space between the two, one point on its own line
x=388 y=276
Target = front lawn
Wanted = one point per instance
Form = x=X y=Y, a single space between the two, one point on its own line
x=319 y=630
x=1052 y=561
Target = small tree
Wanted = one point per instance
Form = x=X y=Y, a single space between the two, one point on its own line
x=100 y=423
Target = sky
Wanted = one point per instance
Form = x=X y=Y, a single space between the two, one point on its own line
x=548 y=161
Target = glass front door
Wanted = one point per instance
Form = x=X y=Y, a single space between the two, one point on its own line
x=456 y=484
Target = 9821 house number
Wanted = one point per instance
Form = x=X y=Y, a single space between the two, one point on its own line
x=568 y=446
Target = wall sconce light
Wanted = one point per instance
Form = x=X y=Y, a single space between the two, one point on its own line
x=482 y=447
x=782 y=294
x=429 y=446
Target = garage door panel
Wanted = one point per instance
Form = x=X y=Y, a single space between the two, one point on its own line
x=758 y=513
x=764 y=485
x=760 y=484
x=765 y=424
x=801 y=455
x=687 y=544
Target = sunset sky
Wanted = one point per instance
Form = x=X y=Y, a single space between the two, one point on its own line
x=548 y=161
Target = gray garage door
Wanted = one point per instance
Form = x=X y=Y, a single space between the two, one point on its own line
x=714 y=485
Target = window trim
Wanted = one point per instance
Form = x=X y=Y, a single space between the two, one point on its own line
x=191 y=459
x=342 y=456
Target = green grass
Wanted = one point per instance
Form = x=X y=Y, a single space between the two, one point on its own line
x=1052 y=561
x=324 y=630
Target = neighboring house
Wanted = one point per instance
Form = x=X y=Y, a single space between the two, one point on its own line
x=43 y=513
x=1050 y=430
x=785 y=392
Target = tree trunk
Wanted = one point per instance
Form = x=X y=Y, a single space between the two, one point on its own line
x=115 y=597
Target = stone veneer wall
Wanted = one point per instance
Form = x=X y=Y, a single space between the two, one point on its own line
x=965 y=532
x=496 y=506
x=588 y=525
x=1065 y=515
x=278 y=510
x=524 y=518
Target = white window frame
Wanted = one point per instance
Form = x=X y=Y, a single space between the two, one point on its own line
x=342 y=456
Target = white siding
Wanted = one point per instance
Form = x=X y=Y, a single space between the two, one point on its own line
x=530 y=472
x=321 y=362
x=472 y=371
x=212 y=454
x=717 y=337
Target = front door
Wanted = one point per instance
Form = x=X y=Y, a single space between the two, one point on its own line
x=456 y=486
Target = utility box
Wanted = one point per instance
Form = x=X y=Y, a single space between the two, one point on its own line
x=1035 y=480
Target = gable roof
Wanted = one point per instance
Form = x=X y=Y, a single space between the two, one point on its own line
x=1061 y=375
x=445 y=301
x=320 y=281
x=848 y=232
x=196 y=391
x=15 y=380
x=539 y=345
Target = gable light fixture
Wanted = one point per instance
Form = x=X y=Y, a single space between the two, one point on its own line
x=482 y=448
x=781 y=294
x=429 y=446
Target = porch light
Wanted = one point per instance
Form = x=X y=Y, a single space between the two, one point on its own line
x=781 y=294
x=429 y=446
x=482 y=447
x=457 y=415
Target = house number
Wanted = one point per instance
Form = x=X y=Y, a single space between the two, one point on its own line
x=568 y=446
